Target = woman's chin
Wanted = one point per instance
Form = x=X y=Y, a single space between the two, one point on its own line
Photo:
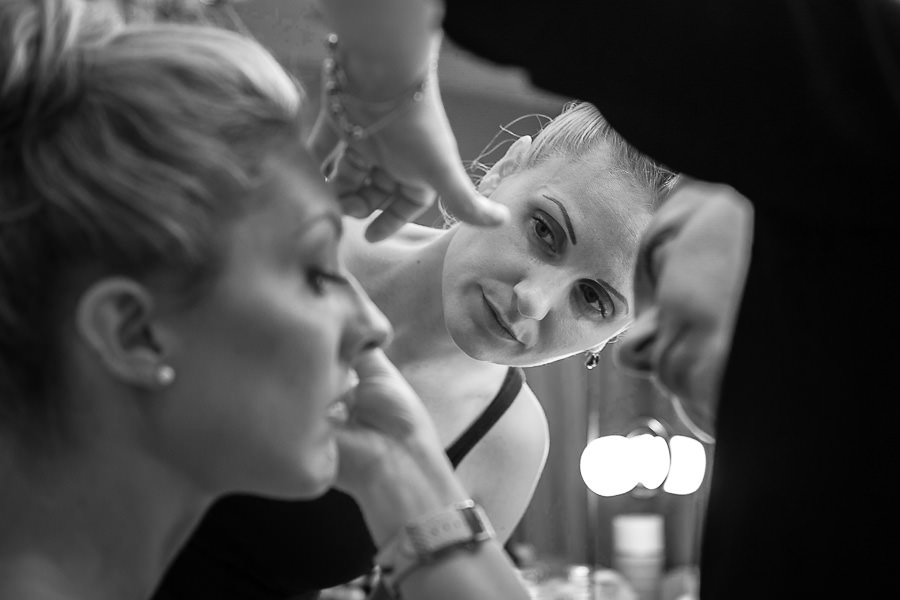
x=307 y=480
x=324 y=476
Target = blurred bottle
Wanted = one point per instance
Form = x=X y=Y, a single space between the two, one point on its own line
x=524 y=556
x=681 y=583
x=607 y=584
x=579 y=577
x=639 y=552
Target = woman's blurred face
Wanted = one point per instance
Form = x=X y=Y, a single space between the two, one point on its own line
x=264 y=357
x=688 y=283
x=553 y=281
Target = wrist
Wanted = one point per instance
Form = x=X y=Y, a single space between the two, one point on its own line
x=430 y=538
x=404 y=486
x=359 y=106
x=386 y=45
x=383 y=77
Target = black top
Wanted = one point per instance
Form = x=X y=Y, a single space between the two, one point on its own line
x=250 y=548
x=795 y=103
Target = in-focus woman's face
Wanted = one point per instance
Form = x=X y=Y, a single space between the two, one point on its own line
x=266 y=354
x=556 y=279
x=688 y=283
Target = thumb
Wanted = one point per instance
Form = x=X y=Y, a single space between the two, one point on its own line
x=381 y=386
x=373 y=364
x=462 y=200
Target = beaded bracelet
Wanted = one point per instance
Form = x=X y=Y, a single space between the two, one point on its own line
x=334 y=82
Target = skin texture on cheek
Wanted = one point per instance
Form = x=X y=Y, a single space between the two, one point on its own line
x=255 y=387
x=261 y=354
x=497 y=264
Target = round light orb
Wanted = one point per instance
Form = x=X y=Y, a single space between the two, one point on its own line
x=651 y=459
x=688 y=465
x=607 y=466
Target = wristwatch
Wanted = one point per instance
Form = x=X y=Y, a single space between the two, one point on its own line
x=425 y=540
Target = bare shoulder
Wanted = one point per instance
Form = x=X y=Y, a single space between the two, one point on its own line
x=503 y=469
x=523 y=429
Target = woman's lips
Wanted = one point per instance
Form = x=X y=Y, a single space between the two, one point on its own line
x=500 y=322
x=339 y=411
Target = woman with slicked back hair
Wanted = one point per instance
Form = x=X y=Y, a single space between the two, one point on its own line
x=793 y=106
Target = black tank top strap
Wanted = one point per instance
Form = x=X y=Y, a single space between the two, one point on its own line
x=512 y=385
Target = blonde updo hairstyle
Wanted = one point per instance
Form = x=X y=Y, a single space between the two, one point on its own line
x=124 y=150
x=580 y=133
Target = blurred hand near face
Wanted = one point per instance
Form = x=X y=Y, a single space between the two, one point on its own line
x=689 y=280
x=390 y=456
x=385 y=414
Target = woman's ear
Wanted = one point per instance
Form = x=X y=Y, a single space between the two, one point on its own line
x=510 y=163
x=114 y=319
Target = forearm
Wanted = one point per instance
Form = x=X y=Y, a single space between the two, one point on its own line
x=485 y=574
x=481 y=574
x=422 y=483
x=405 y=485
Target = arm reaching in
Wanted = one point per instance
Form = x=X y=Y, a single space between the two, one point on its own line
x=387 y=51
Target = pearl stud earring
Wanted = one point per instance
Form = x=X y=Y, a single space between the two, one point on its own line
x=164 y=375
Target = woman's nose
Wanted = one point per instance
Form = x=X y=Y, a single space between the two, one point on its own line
x=368 y=327
x=537 y=293
x=533 y=301
x=634 y=350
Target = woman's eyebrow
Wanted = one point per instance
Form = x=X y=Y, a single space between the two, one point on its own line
x=565 y=214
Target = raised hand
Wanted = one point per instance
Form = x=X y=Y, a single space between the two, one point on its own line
x=409 y=158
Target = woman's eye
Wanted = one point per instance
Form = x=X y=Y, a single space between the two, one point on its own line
x=545 y=231
x=596 y=298
x=319 y=279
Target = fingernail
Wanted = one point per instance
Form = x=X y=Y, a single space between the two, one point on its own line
x=497 y=214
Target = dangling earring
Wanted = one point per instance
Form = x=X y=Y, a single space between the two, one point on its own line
x=164 y=375
x=591 y=360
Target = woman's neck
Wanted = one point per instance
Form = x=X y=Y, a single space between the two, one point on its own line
x=100 y=523
x=403 y=276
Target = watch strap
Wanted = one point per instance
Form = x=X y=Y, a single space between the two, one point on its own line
x=425 y=540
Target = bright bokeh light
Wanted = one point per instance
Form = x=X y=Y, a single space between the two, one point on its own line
x=606 y=466
x=688 y=465
x=650 y=459
x=615 y=464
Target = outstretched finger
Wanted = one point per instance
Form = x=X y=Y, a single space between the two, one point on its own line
x=460 y=198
